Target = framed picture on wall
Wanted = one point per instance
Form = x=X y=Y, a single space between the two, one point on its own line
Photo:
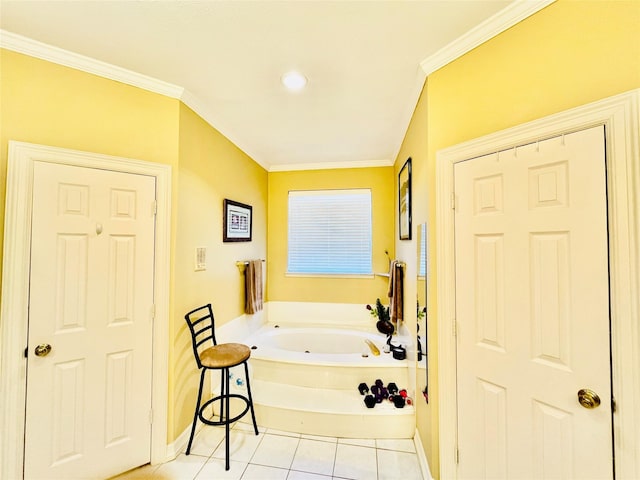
x=237 y=221
x=404 y=201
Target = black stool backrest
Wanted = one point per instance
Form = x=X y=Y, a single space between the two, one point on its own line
x=201 y=325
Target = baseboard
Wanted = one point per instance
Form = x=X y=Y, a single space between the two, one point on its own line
x=179 y=445
x=422 y=458
x=176 y=447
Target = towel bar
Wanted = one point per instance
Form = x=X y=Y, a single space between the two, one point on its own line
x=244 y=262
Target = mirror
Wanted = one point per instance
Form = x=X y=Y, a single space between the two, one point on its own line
x=422 y=270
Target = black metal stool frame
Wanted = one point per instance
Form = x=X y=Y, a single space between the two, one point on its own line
x=202 y=331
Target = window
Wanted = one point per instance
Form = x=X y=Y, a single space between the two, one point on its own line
x=330 y=232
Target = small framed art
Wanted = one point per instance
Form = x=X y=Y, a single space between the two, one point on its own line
x=237 y=221
x=404 y=201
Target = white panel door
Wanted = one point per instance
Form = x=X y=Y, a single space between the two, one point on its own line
x=91 y=298
x=532 y=309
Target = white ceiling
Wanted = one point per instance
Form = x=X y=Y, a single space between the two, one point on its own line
x=366 y=62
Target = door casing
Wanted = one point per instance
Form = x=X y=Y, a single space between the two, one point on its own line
x=621 y=118
x=15 y=292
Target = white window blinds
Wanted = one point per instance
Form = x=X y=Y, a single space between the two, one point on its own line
x=330 y=232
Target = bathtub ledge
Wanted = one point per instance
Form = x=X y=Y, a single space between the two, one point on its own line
x=331 y=412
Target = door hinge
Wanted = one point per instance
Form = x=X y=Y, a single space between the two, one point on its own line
x=457 y=456
x=453 y=201
x=153 y=312
x=154 y=207
x=26 y=352
x=454 y=329
x=613 y=405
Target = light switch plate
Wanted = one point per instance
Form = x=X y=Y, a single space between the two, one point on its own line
x=201 y=258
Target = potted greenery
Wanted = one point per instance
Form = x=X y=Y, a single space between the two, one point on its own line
x=381 y=312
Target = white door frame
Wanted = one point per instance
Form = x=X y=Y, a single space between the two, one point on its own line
x=15 y=292
x=621 y=118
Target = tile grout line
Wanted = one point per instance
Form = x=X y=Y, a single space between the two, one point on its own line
x=261 y=435
x=335 y=459
x=294 y=455
x=298 y=437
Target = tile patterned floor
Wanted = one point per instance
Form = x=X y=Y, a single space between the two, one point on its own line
x=278 y=455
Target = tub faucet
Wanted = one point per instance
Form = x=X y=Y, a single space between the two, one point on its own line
x=374 y=350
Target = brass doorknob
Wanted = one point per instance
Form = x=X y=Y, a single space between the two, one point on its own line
x=42 y=350
x=588 y=398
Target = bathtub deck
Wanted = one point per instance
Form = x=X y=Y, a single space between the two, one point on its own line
x=330 y=412
x=315 y=392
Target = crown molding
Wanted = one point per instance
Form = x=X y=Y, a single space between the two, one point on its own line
x=498 y=23
x=204 y=112
x=421 y=78
x=28 y=46
x=43 y=51
x=501 y=21
x=287 y=167
x=191 y=101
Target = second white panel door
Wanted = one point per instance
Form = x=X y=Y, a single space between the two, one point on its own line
x=532 y=308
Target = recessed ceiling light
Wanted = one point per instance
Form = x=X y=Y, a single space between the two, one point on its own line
x=294 y=81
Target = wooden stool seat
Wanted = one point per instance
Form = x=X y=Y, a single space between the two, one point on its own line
x=225 y=355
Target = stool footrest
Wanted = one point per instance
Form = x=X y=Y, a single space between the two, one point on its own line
x=226 y=420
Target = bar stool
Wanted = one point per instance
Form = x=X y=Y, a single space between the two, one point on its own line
x=217 y=357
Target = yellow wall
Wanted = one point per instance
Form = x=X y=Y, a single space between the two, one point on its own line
x=211 y=169
x=45 y=103
x=381 y=181
x=569 y=54
x=415 y=146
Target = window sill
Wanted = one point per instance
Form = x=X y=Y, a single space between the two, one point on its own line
x=330 y=275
